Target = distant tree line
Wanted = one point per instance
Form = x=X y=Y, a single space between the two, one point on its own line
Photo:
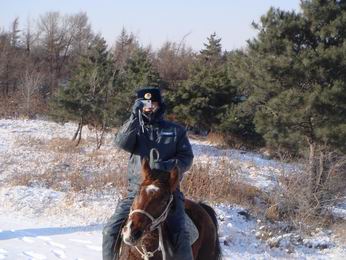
x=286 y=89
x=38 y=58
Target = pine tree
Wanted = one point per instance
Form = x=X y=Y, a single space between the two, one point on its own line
x=138 y=72
x=88 y=97
x=202 y=100
x=237 y=121
x=125 y=46
x=297 y=68
x=212 y=52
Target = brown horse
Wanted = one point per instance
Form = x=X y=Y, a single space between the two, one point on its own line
x=145 y=233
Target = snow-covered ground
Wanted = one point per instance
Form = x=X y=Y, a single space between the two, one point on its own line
x=38 y=222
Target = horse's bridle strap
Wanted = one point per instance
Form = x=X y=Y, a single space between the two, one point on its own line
x=155 y=222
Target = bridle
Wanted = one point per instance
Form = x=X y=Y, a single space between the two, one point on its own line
x=155 y=224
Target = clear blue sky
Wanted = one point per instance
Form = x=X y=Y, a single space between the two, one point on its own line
x=156 y=21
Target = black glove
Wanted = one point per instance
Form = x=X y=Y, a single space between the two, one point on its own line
x=166 y=166
x=137 y=106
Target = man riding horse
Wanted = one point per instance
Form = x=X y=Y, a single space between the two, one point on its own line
x=146 y=134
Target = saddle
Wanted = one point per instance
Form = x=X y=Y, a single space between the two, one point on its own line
x=191 y=228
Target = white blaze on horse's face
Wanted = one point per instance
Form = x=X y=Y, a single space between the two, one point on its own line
x=127 y=233
x=151 y=188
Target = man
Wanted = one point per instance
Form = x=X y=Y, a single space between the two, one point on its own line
x=146 y=129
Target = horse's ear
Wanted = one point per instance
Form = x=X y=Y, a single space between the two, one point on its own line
x=174 y=179
x=145 y=168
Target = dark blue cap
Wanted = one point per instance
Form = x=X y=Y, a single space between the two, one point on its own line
x=150 y=93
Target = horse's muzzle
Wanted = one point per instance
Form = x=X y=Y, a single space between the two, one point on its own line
x=131 y=235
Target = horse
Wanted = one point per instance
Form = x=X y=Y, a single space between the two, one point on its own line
x=145 y=233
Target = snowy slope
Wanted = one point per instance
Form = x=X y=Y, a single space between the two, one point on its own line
x=37 y=222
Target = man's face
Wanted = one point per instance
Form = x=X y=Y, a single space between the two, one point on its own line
x=154 y=107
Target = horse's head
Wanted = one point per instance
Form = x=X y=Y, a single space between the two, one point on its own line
x=151 y=202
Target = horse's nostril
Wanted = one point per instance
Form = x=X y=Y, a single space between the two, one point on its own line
x=137 y=234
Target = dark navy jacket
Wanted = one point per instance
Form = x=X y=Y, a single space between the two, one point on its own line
x=168 y=138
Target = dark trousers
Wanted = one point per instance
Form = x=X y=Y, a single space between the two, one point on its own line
x=176 y=225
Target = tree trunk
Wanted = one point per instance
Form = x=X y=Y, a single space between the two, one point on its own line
x=100 y=141
x=319 y=166
x=79 y=131
x=76 y=133
x=80 y=135
x=97 y=138
x=312 y=168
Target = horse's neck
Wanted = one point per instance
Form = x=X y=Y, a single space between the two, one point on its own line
x=151 y=240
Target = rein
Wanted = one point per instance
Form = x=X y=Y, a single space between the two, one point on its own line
x=155 y=224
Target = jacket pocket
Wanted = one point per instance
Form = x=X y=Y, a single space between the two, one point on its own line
x=167 y=137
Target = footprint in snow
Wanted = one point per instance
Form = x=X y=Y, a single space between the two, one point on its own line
x=80 y=241
x=3 y=253
x=56 y=244
x=44 y=238
x=34 y=255
x=59 y=253
x=28 y=240
x=95 y=248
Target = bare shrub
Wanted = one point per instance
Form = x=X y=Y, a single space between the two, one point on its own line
x=218 y=183
x=31 y=79
x=13 y=105
x=294 y=201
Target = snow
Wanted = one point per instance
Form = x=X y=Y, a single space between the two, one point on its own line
x=26 y=238
x=251 y=167
x=37 y=222
x=339 y=210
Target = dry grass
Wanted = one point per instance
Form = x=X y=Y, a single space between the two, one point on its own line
x=59 y=145
x=205 y=181
x=217 y=139
x=20 y=180
x=339 y=230
x=216 y=180
x=70 y=169
x=218 y=184
x=63 y=145
x=223 y=141
x=29 y=141
x=73 y=181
